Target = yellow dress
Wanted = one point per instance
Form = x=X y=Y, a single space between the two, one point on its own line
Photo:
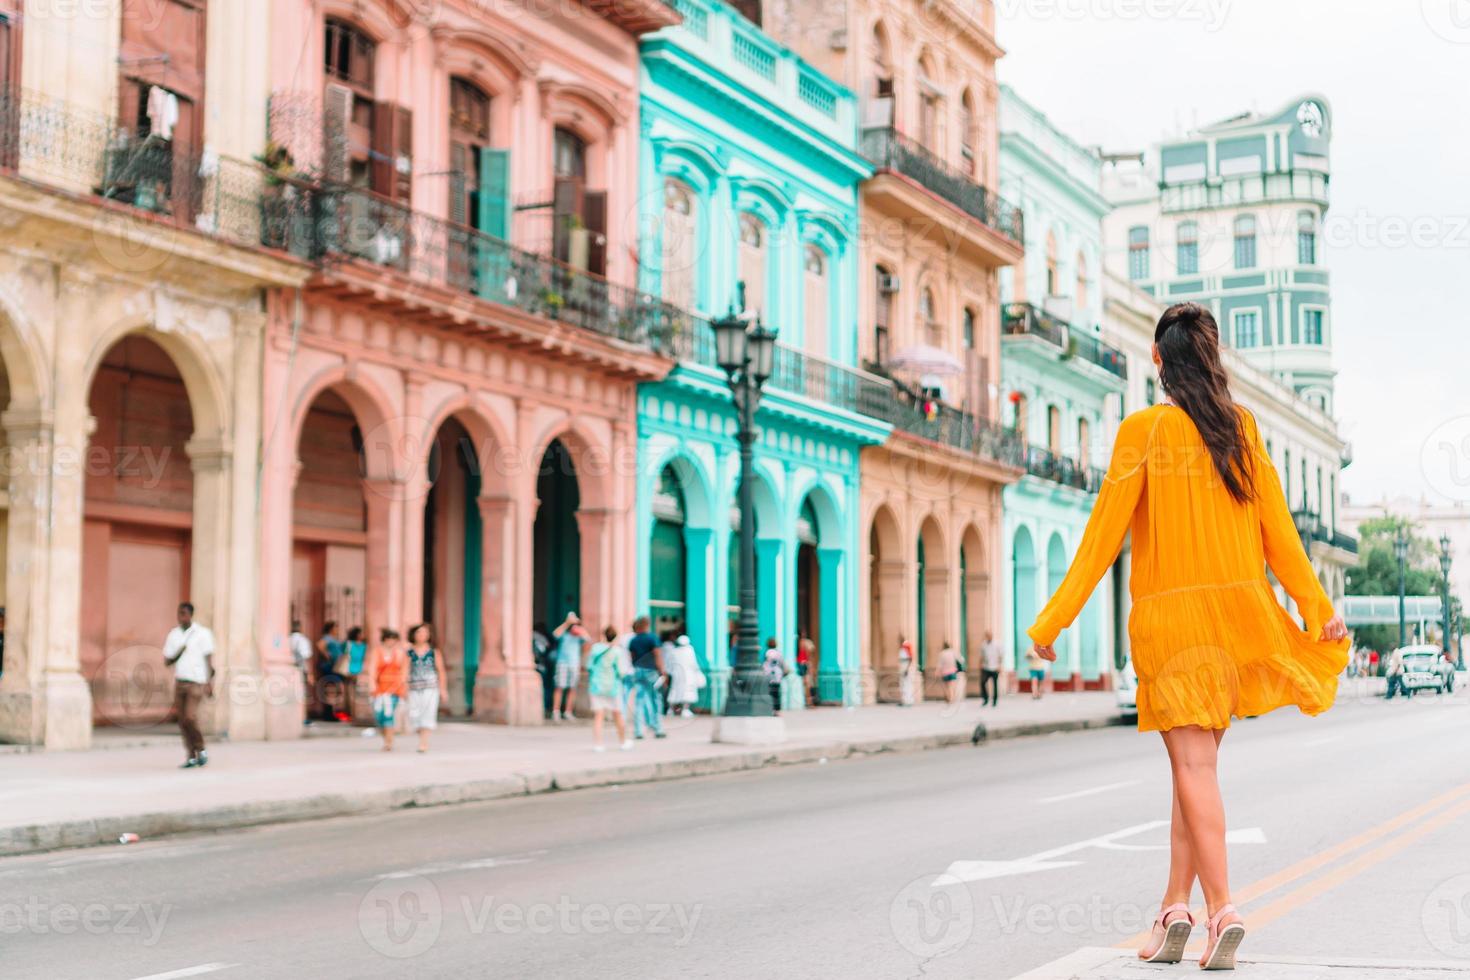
x=1209 y=639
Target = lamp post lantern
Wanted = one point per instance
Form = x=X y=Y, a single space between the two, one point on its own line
x=1444 y=567
x=746 y=351
x=1401 y=552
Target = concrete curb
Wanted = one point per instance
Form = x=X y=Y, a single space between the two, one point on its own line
x=35 y=838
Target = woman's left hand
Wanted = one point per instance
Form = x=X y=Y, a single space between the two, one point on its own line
x=1334 y=629
x=1047 y=652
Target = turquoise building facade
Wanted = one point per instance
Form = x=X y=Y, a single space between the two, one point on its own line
x=1061 y=384
x=749 y=175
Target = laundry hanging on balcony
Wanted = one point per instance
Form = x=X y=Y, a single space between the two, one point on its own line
x=163 y=112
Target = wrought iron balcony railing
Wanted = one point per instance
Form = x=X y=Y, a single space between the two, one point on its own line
x=1042 y=462
x=889 y=149
x=1023 y=318
x=960 y=430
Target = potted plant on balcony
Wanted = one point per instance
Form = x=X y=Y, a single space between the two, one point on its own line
x=280 y=199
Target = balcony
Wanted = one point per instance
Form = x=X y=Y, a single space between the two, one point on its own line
x=1025 y=320
x=1296 y=186
x=891 y=152
x=1047 y=465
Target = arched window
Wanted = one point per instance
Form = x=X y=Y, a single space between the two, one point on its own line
x=969 y=159
x=1080 y=296
x=679 y=245
x=1054 y=429
x=350 y=56
x=882 y=68
x=1084 y=439
x=817 y=298
x=930 y=108
x=753 y=261
x=579 y=215
x=1187 y=245
x=1306 y=238
x=1138 y=252
x=1245 y=242
x=471 y=168
x=1053 y=282
x=926 y=307
x=884 y=286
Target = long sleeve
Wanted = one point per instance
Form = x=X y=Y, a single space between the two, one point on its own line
x=1112 y=513
x=1282 y=543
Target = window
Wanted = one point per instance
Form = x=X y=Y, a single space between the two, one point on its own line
x=1286 y=473
x=1054 y=428
x=1084 y=437
x=882 y=312
x=1311 y=326
x=579 y=214
x=469 y=138
x=1188 y=247
x=679 y=246
x=351 y=56
x=1080 y=296
x=967 y=134
x=968 y=329
x=753 y=260
x=1306 y=238
x=569 y=155
x=926 y=307
x=1138 y=253
x=1247 y=328
x=818 y=298
x=1245 y=242
x=929 y=109
x=1052 y=280
x=880 y=113
x=1150 y=391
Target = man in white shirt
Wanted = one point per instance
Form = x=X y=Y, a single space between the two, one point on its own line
x=990 y=664
x=189 y=650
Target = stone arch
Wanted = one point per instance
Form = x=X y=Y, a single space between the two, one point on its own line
x=974 y=593
x=207 y=400
x=887 y=562
x=24 y=361
x=932 y=623
x=590 y=454
x=487 y=435
x=699 y=504
x=375 y=411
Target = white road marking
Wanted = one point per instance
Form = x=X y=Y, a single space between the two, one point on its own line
x=1088 y=792
x=1246 y=835
x=190 y=971
x=962 y=871
x=445 y=867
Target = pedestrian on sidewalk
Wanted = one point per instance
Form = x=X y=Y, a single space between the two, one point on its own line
x=353 y=665
x=952 y=669
x=1036 y=671
x=543 y=657
x=330 y=683
x=605 y=686
x=301 y=651
x=569 y=637
x=906 y=669
x=686 y=680
x=428 y=683
x=666 y=651
x=388 y=672
x=648 y=668
x=1209 y=640
x=990 y=664
x=776 y=670
x=1396 y=676
x=189 y=650
x=806 y=667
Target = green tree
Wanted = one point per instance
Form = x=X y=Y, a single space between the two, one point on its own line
x=1377 y=573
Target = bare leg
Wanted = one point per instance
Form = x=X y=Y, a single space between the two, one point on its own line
x=1182 y=871
x=597 y=726
x=1192 y=756
x=622 y=731
x=423 y=740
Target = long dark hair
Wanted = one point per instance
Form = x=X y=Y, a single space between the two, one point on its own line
x=1188 y=341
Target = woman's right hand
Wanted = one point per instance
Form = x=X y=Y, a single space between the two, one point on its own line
x=1334 y=629
x=1047 y=652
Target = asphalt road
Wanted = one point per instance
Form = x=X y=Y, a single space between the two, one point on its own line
x=1352 y=837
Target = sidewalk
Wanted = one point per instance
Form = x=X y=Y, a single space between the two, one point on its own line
x=77 y=799
x=1105 y=963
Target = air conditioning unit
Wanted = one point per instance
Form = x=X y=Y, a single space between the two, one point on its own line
x=888 y=284
x=837 y=40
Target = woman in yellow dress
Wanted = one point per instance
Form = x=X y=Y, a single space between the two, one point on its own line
x=1192 y=481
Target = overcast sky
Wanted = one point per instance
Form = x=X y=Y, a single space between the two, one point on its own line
x=1124 y=73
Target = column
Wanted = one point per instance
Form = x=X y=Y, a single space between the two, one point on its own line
x=413 y=468
x=891 y=581
x=507 y=687
x=384 y=602
x=209 y=568
x=839 y=674
x=699 y=605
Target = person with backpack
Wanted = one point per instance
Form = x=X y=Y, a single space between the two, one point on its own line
x=775 y=669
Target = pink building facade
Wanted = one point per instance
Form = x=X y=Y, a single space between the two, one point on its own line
x=448 y=407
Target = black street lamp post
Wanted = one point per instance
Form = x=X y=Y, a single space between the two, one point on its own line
x=746 y=351
x=1401 y=552
x=1444 y=567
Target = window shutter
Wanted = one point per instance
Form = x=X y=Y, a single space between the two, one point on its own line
x=336 y=116
x=459 y=155
x=563 y=206
x=403 y=148
x=384 y=147
x=594 y=216
x=494 y=216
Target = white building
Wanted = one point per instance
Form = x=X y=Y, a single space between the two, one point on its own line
x=1432 y=519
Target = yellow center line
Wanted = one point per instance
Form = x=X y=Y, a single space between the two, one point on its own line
x=1314 y=862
